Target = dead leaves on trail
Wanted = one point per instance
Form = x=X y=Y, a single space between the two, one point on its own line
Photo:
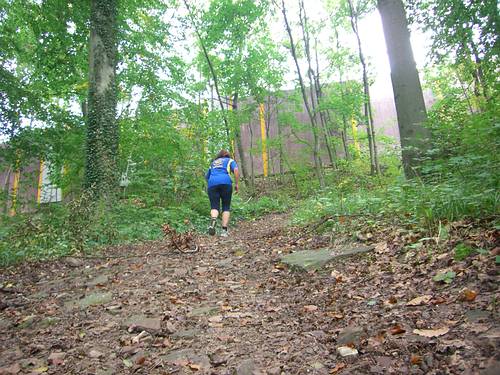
x=422 y=300
x=235 y=307
x=432 y=332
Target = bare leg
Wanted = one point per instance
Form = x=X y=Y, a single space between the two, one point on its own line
x=214 y=214
x=225 y=218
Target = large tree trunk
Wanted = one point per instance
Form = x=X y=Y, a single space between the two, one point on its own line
x=101 y=174
x=410 y=106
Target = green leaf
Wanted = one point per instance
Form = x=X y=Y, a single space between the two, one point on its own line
x=446 y=277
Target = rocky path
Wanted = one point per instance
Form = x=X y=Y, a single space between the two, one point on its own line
x=235 y=308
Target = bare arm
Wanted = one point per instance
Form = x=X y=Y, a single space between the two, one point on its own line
x=236 y=173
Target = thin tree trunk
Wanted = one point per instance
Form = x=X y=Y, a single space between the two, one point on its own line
x=101 y=172
x=374 y=167
x=252 y=167
x=278 y=128
x=237 y=135
x=313 y=88
x=343 y=95
x=212 y=72
x=332 y=151
x=267 y=106
x=317 y=164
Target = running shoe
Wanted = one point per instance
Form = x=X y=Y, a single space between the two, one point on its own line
x=211 y=228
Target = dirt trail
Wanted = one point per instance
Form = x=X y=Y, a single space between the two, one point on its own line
x=232 y=308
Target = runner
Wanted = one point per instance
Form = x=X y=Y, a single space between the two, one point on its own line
x=220 y=189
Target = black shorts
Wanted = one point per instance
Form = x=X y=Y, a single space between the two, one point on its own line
x=219 y=193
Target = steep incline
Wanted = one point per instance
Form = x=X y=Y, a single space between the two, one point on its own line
x=233 y=308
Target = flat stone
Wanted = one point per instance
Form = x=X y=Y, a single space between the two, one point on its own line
x=350 y=335
x=492 y=369
x=49 y=321
x=99 y=280
x=203 y=311
x=188 y=355
x=246 y=367
x=94 y=299
x=224 y=263
x=477 y=315
x=40 y=295
x=308 y=260
x=5 y=324
x=74 y=262
x=346 y=351
x=95 y=354
x=186 y=334
x=143 y=323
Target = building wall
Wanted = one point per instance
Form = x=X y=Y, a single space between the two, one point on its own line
x=384 y=118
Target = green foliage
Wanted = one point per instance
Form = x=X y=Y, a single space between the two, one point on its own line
x=446 y=277
x=462 y=251
x=83 y=224
x=255 y=208
x=465 y=32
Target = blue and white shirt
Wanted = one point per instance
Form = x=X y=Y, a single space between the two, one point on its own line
x=218 y=173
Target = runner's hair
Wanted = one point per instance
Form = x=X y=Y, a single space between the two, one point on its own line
x=222 y=154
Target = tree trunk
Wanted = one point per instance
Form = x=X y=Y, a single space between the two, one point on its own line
x=332 y=150
x=237 y=135
x=101 y=174
x=278 y=128
x=345 y=145
x=212 y=72
x=410 y=106
x=313 y=88
x=252 y=167
x=374 y=167
x=317 y=163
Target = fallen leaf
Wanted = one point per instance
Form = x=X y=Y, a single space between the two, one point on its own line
x=310 y=308
x=41 y=369
x=392 y=300
x=215 y=319
x=397 y=330
x=11 y=370
x=127 y=363
x=140 y=360
x=195 y=367
x=337 y=368
x=422 y=300
x=438 y=301
x=415 y=359
x=56 y=358
x=467 y=295
x=431 y=332
x=335 y=315
x=337 y=276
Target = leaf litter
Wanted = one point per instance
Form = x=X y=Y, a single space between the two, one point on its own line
x=234 y=307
